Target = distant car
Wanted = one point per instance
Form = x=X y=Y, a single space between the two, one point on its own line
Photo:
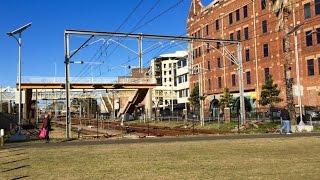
x=273 y=113
x=312 y=112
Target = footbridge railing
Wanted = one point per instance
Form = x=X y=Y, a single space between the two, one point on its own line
x=87 y=80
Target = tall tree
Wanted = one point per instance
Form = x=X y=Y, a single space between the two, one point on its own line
x=282 y=9
x=269 y=94
x=194 y=98
x=226 y=100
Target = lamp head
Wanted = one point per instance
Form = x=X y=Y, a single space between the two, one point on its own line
x=19 y=30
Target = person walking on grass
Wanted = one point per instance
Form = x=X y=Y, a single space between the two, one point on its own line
x=285 y=116
x=47 y=125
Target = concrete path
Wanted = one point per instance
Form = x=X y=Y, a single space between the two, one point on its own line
x=63 y=143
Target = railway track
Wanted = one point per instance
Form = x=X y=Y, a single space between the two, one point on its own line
x=149 y=130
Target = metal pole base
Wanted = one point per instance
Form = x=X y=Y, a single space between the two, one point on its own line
x=19 y=137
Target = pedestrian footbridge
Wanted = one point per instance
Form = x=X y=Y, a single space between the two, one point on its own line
x=142 y=86
x=87 y=83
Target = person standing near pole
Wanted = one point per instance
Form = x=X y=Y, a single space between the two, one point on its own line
x=285 y=116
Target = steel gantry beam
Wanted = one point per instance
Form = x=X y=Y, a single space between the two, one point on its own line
x=148 y=36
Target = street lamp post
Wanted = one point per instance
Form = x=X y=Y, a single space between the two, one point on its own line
x=295 y=35
x=12 y=34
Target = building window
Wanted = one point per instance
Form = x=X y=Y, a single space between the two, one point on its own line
x=217 y=24
x=164 y=65
x=199 y=51
x=265 y=50
x=245 y=11
x=231 y=36
x=266 y=73
x=165 y=79
x=239 y=35
x=309 y=38
x=317 y=6
x=209 y=67
x=307 y=12
x=310 y=65
x=199 y=34
x=209 y=84
x=246 y=33
x=318 y=34
x=237 y=15
x=184 y=63
x=207 y=29
x=219 y=82
x=233 y=79
x=233 y=59
x=248 y=77
x=219 y=62
x=218 y=45
x=263 y=4
x=230 y=18
x=169 y=72
x=319 y=65
x=164 y=72
x=208 y=48
x=264 y=26
x=247 y=54
x=170 y=80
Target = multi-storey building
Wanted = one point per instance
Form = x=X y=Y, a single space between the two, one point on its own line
x=253 y=23
x=171 y=74
x=182 y=79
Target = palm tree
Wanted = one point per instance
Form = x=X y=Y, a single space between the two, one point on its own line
x=282 y=9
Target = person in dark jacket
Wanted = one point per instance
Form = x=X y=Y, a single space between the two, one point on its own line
x=47 y=125
x=285 y=116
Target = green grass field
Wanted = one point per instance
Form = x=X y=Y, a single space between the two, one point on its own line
x=284 y=158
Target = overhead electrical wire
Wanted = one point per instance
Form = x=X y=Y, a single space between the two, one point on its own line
x=162 y=13
x=127 y=18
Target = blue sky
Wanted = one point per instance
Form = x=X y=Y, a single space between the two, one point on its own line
x=43 y=44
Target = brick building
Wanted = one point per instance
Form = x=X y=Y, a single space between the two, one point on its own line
x=253 y=23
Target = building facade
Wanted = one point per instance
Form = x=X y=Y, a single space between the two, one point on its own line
x=253 y=23
x=171 y=74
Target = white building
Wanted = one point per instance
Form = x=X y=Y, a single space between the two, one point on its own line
x=171 y=73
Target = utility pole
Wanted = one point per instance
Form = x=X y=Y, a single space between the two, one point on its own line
x=0 y=98
x=67 y=86
x=241 y=87
x=238 y=62
x=200 y=95
x=140 y=54
x=172 y=84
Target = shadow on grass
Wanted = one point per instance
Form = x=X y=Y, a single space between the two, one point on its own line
x=68 y=140
x=13 y=146
x=14 y=150
x=13 y=155
x=20 y=167
x=15 y=161
x=20 y=177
